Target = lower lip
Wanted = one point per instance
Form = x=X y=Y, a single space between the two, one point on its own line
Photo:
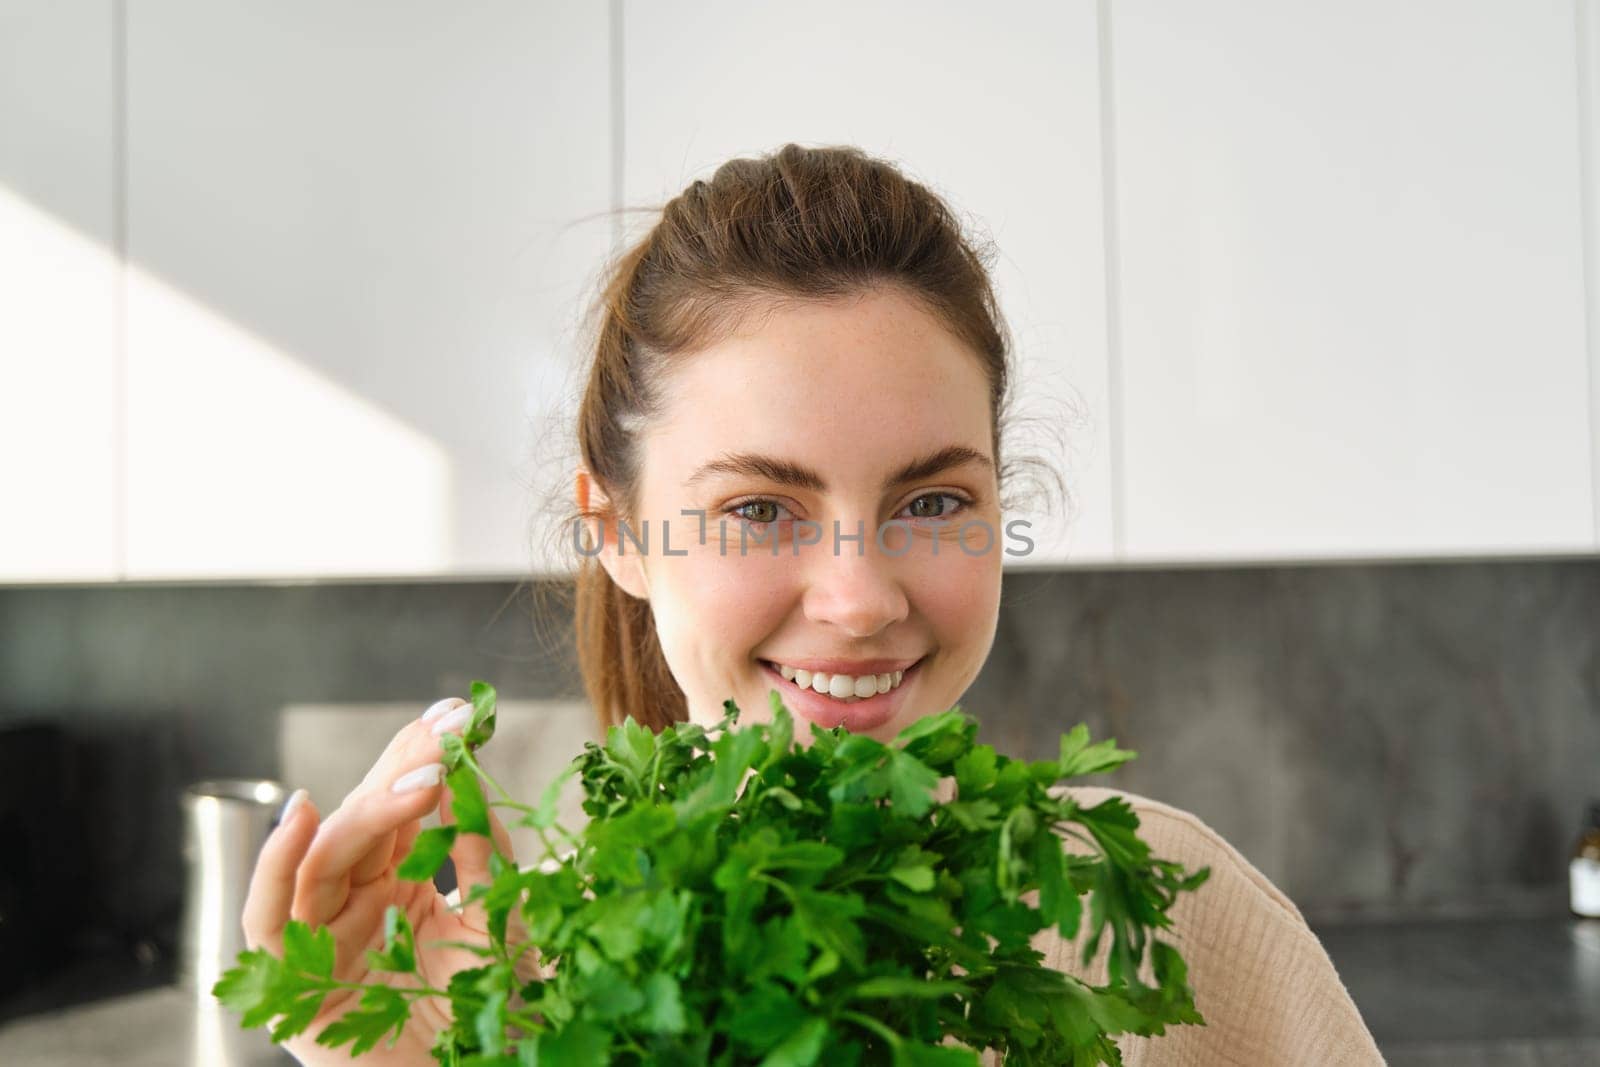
x=858 y=716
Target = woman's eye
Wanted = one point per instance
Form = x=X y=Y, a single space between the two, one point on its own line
x=759 y=512
x=934 y=498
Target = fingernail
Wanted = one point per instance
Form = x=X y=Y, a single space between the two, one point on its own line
x=455 y=720
x=292 y=805
x=423 y=777
x=440 y=707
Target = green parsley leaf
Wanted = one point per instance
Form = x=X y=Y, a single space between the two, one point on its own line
x=467 y=802
x=382 y=1011
x=428 y=853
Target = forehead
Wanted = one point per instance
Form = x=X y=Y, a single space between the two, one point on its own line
x=859 y=384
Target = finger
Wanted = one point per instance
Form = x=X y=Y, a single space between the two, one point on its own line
x=377 y=859
x=399 y=755
x=357 y=844
x=272 y=884
x=403 y=840
x=361 y=824
x=401 y=749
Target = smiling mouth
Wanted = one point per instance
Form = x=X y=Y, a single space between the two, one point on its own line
x=772 y=669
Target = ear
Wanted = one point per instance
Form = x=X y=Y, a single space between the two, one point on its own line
x=601 y=521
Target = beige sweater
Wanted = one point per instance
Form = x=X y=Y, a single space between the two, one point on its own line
x=1262 y=981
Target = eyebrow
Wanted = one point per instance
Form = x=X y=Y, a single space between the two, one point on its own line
x=786 y=472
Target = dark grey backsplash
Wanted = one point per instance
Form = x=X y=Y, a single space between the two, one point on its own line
x=1391 y=741
x=1398 y=740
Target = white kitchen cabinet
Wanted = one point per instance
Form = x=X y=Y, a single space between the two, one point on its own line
x=996 y=106
x=1588 y=26
x=1323 y=295
x=58 y=293
x=359 y=235
x=1350 y=272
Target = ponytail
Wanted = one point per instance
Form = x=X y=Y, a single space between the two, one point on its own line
x=624 y=671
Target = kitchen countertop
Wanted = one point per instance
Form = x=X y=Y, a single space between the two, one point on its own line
x=1462 y=993
x=1470 y=992
x=161 y=1027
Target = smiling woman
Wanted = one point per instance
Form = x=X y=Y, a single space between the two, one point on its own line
x=802 y=370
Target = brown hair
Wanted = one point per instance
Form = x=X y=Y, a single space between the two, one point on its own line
x=800 y=223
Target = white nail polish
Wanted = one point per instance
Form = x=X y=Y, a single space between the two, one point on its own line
x=454 y=721
x=440 y=707
x=292 y=805
x=423 y=777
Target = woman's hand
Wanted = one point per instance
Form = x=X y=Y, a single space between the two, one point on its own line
x=341 y=872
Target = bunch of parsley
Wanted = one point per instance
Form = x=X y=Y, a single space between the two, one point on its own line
x=737 y=898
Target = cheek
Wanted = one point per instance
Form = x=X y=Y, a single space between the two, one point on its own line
x=959 y=595
x=710 y=610
x=711 y=613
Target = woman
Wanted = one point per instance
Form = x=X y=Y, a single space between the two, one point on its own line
x=791 y=475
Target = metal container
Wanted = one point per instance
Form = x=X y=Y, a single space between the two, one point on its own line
x=225 y=823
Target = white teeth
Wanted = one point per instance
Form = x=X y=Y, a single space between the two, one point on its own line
x=842 y=686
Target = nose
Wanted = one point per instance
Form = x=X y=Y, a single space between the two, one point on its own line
x=856 y=589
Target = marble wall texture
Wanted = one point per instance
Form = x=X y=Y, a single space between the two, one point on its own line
x=1380 y=740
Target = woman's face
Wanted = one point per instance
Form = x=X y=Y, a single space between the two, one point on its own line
x=837 y=398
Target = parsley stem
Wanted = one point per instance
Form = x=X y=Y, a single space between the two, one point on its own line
x=869 y=1023
x=779 y=884
x=1067 y=829
x=477 y=768
x=508 y=801
x=331 y=984
x=527 y=1022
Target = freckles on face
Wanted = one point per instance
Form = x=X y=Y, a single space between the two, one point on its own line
x=852 y=390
